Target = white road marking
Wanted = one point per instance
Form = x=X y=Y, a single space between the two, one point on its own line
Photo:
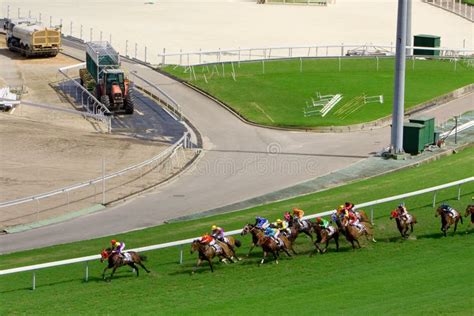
x=140 y=113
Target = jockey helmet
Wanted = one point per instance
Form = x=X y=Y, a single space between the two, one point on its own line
x=113 y=241
x=258 y=218
x=347 y=203
x=401 y=204
x=318 y=219
x=214 y=227
x=340 y=207
x=279 y=221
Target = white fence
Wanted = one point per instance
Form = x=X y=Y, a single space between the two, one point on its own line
x=455 y=6
x=399 y=197
x=238 y=55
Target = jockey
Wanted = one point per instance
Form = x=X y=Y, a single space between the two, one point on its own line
x=287 y=216
x=218 y=233
x=207 y=239
x=117 y=246
x=449 y=210
x=273 y=233
x=341 y=211
x=354 y=221
x=402 y=211
x=298 y=213
x=322 y=222
x=348 y=206
x=261 y=222
x=282 y=226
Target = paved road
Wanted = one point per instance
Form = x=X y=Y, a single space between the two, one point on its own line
x=240 y=162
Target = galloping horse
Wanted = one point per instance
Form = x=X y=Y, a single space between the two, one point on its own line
x=268 y=244
x=207 y=252
x=470 y=210
x=447 y=220
x=322 y=236
x=302 y=226
x=403 y=225
x=115 y=261
x=352 y=233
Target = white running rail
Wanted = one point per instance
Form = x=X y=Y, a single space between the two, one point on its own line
x=399 y=197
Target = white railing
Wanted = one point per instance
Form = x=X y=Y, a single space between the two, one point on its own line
x=455 y=6
x=399 y=197
x=168 y=152
x=238 y=55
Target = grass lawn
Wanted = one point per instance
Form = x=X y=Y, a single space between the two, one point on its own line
x=278 y=96
x=424 y=275
x=469 y=2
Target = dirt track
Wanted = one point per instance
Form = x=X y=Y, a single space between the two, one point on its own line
x=43 y=150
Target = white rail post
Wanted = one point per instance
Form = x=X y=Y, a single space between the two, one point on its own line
x=239 y=55
x=372 y=216
x=342 y=49
x=33 y=287
x=434 y=198
x=181 y=255
x=103 y=180
x=377 y=58
x=301 y=64
x=459 y=192
x=86 y=278
x=163 y=57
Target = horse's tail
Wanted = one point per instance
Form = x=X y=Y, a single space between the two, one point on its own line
x=142 y=257
x=237 y=243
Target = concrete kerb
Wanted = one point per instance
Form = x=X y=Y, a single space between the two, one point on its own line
x=230 y=209
x=379 y=123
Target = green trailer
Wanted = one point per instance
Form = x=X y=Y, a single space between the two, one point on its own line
x=413 y=138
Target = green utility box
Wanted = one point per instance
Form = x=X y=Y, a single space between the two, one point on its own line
x=413 y=138
x=424 y=40
x=429 y=123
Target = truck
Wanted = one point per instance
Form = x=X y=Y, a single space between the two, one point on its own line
x=31 y=38
x=104 y=78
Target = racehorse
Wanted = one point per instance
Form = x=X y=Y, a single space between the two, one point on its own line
x=447 y=220
x=302 y=226
x=268 y=244
x=470 y=210
x=353 y=233
x=207 y=252
x=232 y=243
x=115 y=260
x=322 y=236
x=403 y=225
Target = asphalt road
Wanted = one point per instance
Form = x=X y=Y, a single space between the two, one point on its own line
x=239 y=162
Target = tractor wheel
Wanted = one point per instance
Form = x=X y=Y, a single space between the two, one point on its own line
x=129 y=104
x=105 y=101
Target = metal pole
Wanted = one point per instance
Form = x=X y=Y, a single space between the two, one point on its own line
x=163 y=57
x=434 y=198
x=181 y=255
x=372 y=216
x=103 y=180
x=456 y=129
x=459 y=192
x=34 y=281
x=87 y=271
x=409 y=37
x=399 y=93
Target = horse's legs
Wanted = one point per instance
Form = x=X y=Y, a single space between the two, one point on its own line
x=198 y=263
x=143 y=266
x=250 y=250
x=455 y=225
x=134 y=267
x=103 y=273
x=264 y=256
x=336 y=240
x=276 y=255
x=210 y=264
x=113 y=271
x=308 y=234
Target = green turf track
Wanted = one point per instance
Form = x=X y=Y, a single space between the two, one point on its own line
x=429 y=275
x=278 y=96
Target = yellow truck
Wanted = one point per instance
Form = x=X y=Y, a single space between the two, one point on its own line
x=31 y=38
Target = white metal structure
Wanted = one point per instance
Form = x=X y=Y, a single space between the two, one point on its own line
x=7 y=99
x=399 y=197
x=323 y=105
x=373 y=99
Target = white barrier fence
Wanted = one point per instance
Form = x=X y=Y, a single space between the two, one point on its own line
x=455 y=6
x=399 y=197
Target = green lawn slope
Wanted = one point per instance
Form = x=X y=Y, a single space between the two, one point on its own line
x=275 y=93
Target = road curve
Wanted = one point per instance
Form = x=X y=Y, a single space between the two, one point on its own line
x=239 y=162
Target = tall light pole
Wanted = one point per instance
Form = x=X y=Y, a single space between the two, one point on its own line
x=396 y=144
